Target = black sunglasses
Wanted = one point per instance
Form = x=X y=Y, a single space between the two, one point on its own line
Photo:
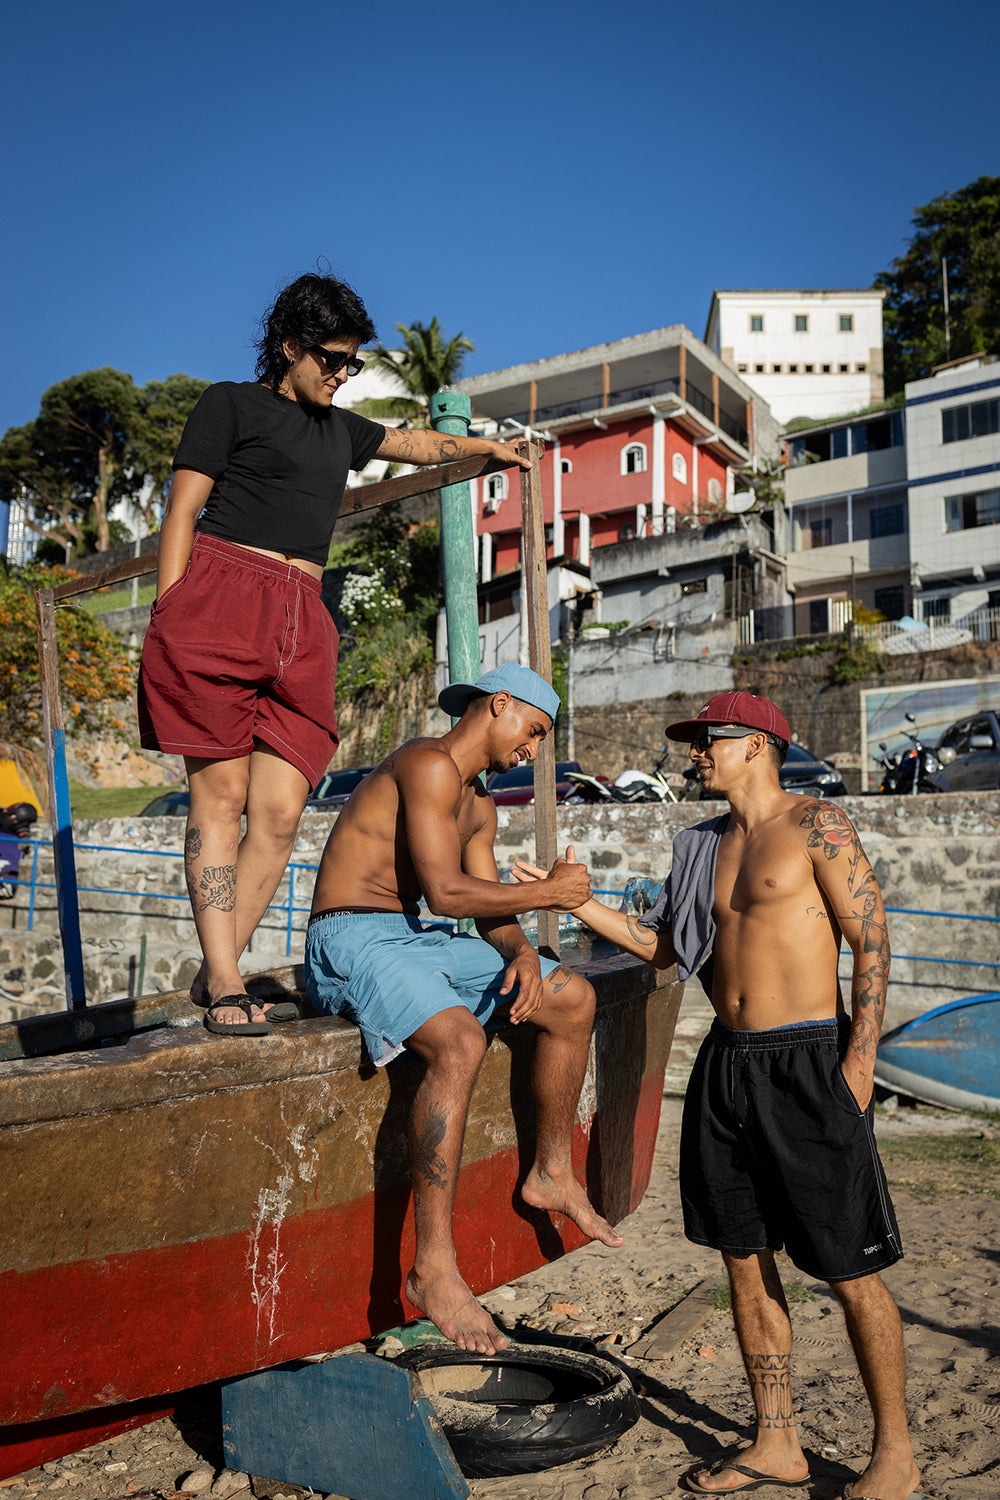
x=336 y=359
x=704 y=737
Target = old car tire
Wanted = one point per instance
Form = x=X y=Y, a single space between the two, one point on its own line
x=524 y=1409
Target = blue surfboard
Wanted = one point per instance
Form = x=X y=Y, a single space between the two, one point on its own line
x=949 y=1056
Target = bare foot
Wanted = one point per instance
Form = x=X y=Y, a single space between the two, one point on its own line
x=565 y=1195
x=452 y=1308
x=787 y=1464
x=889 y=1479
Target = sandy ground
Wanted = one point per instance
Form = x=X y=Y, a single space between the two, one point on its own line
x=945 y=1174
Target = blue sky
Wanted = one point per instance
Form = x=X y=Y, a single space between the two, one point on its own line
x=540 y=176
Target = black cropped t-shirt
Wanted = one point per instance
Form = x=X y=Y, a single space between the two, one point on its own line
x=279 y=467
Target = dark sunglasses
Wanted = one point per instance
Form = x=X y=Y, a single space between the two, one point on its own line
x=336 y=359
x=704 y=737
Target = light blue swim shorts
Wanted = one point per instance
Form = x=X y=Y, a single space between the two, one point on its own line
x=389 y=974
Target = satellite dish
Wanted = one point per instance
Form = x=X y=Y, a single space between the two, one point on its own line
x=741 y=501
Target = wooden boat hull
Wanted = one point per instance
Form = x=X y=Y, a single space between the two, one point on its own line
x=948 y=1056
x=185 y=1208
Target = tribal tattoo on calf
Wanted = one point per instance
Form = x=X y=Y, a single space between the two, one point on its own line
x=771 y=1389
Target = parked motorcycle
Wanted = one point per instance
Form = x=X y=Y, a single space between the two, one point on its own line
x=906 y=772
x=631 y=786
x=15 y=822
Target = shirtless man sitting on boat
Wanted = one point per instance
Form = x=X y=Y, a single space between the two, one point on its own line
x=777 y=1143
x=423 y=825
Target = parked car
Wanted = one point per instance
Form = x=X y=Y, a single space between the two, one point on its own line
x=332 y=790
x=517 y=786
x=802 y=772
x=969 y=755
x=334 y=787
x=805 y=772
x=168 y=805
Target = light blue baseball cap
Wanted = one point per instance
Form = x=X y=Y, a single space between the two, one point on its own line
x=520 y=682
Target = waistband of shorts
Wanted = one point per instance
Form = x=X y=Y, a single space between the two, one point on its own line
x=798 y=1034
x=334 y=913
x=256 y=562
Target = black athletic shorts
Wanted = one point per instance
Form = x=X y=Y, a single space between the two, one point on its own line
x=775 y=1151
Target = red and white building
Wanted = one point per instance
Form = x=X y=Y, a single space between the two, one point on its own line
x=642 y=436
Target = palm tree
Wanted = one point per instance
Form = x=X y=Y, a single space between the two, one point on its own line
x=424 y=365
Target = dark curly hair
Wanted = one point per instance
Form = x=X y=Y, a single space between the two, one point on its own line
x=312 y=310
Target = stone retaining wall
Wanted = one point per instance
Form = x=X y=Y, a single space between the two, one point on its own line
x=929 y=853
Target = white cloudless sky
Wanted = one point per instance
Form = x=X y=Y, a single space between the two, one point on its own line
x=541 y=176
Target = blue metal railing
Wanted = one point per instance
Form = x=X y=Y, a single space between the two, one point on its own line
x=291 y=910
x=35 y=884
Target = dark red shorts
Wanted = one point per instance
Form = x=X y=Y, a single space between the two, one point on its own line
x=240 y=649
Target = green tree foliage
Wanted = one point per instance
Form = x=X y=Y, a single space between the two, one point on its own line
x=391 y=601
x=95 y=668
x=98 y=439
x=964 y=228
x=425 y=364
x=163 y=408
x=32 y=471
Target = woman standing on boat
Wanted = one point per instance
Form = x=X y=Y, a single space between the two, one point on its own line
x=240 y=659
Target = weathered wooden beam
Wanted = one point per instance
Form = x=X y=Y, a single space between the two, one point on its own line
x=662 y=1337
x=535 y=580
x=424 y=481
x=363 y=497
x=134 y=567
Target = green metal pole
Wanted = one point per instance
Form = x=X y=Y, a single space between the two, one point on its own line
x=451 y=412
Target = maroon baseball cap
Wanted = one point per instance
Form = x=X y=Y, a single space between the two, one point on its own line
x=734 y=708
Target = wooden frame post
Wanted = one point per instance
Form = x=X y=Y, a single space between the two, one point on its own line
x=61 y=815
x=535 y=581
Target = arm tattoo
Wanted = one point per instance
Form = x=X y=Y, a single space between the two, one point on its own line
x=770 y=1388
x=426 y=1160
x=833 y=833
x=640 y=934
x=446 y=449
x=831 y=830
x=402 y=443
x=212 y=886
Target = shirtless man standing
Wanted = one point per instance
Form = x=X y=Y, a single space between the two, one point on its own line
x=422 y=824
x=777 y=1146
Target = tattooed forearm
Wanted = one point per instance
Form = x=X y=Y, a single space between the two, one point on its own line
x=426 y=1160
x=639 y=934
x=770 y=1388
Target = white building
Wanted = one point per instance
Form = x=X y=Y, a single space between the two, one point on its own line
x=900 y=509
x=808 y=353
x=953 y=471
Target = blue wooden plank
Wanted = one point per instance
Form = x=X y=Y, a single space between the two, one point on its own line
x=351 y=1425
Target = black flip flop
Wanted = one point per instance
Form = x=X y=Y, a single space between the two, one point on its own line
x=249 y=1027
x=759 y=1479
x=281 y=1010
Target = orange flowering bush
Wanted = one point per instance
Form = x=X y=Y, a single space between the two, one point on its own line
x=95 y=668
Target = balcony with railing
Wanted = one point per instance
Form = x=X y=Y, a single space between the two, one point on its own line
x=628 y=396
